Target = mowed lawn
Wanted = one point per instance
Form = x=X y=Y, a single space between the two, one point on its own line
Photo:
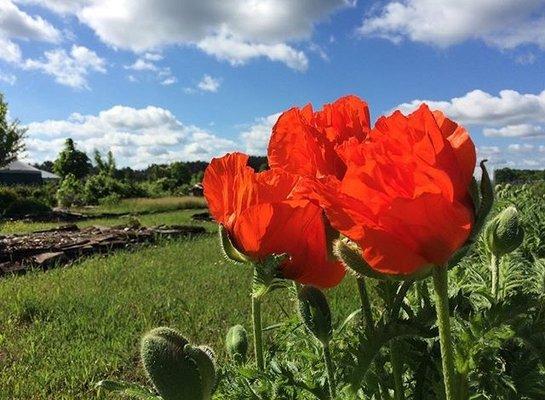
x=63 y=330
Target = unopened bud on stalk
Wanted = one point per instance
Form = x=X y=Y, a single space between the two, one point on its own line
x=504 y=232
x=236 y=342
x=315 y=313
x=178 y=370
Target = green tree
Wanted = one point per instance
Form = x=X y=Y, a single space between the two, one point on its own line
x=11 y=136
x=107 y=166
x=72 y=161
x=180 y=173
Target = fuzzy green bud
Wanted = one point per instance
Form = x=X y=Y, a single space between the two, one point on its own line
x=315 y=313
x=177 y=370
x=236 y=342
x=504 y=232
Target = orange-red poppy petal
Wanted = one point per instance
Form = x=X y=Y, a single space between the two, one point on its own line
x=292 y=227
x=227 y=186
x=462 y=144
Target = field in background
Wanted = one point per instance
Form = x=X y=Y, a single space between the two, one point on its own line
x=147 y=205
x=150 y=212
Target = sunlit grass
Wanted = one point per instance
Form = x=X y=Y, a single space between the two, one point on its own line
x=61 y=331
x=147 y=205
x=163 y=218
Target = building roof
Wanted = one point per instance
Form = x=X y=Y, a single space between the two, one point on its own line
x=19 y=166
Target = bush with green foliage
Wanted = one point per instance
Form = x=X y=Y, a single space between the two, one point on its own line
x=70 y=192
x=23 y=207
x=7 y=197
x=103 y=185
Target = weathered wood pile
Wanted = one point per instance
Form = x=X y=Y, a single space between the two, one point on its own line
x=60 y=246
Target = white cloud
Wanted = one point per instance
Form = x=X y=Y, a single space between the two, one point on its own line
x=171 y=80
x=138 y=137
x=147 y=64
x=7 y=78
x=16 y=24
x=9 y=51
x=70 y=69
x=481 y=108
x=516 y=131
x=209 y=84
x=256 y=137
x=227 y=47
x=521 y=148
x=153 y=56
x=142 y=65
x=504 y=24
x=236 y=31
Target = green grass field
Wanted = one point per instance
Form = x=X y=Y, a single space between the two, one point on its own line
x=64 y=330
x=167 y=211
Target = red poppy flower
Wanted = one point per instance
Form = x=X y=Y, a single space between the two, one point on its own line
x=405 y=195
x=303 y=142
x=263 y=217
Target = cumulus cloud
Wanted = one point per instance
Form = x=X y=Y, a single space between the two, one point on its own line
x=227 y=47
x=146 y=63
x=521 y=148
x=138 y=137
x=516 y=114
x=504 y=24
x=70 y=69
x=256 y=137
x=209 y=84
x=516 y=131
x=16 y=24
x=235 y=31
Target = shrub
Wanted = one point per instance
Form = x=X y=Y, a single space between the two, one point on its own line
x=110 y=200
x=100 y=186
x=22 y=207
x=7 y=197
x=70 y=192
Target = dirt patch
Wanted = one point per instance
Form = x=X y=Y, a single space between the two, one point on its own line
x=60 y=246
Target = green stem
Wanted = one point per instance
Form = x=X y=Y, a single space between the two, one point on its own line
x=495 y=267
x=367 y=315
x=330 y=371
x=440 y=282
x=258 y=333
x=463 y=386
x=397 y=369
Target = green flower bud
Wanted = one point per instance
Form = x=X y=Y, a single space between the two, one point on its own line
x=236 y=342
x=178 y=370
x=229 y=250
x=504 y=232
x=315 y=313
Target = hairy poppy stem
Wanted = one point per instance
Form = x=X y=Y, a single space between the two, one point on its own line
x=330 y=371
x=440 y=282
x=258 y=333
x=367 y=315
x=397 y=369
x=495 y=267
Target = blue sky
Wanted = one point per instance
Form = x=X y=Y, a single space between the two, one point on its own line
x=164 y=80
